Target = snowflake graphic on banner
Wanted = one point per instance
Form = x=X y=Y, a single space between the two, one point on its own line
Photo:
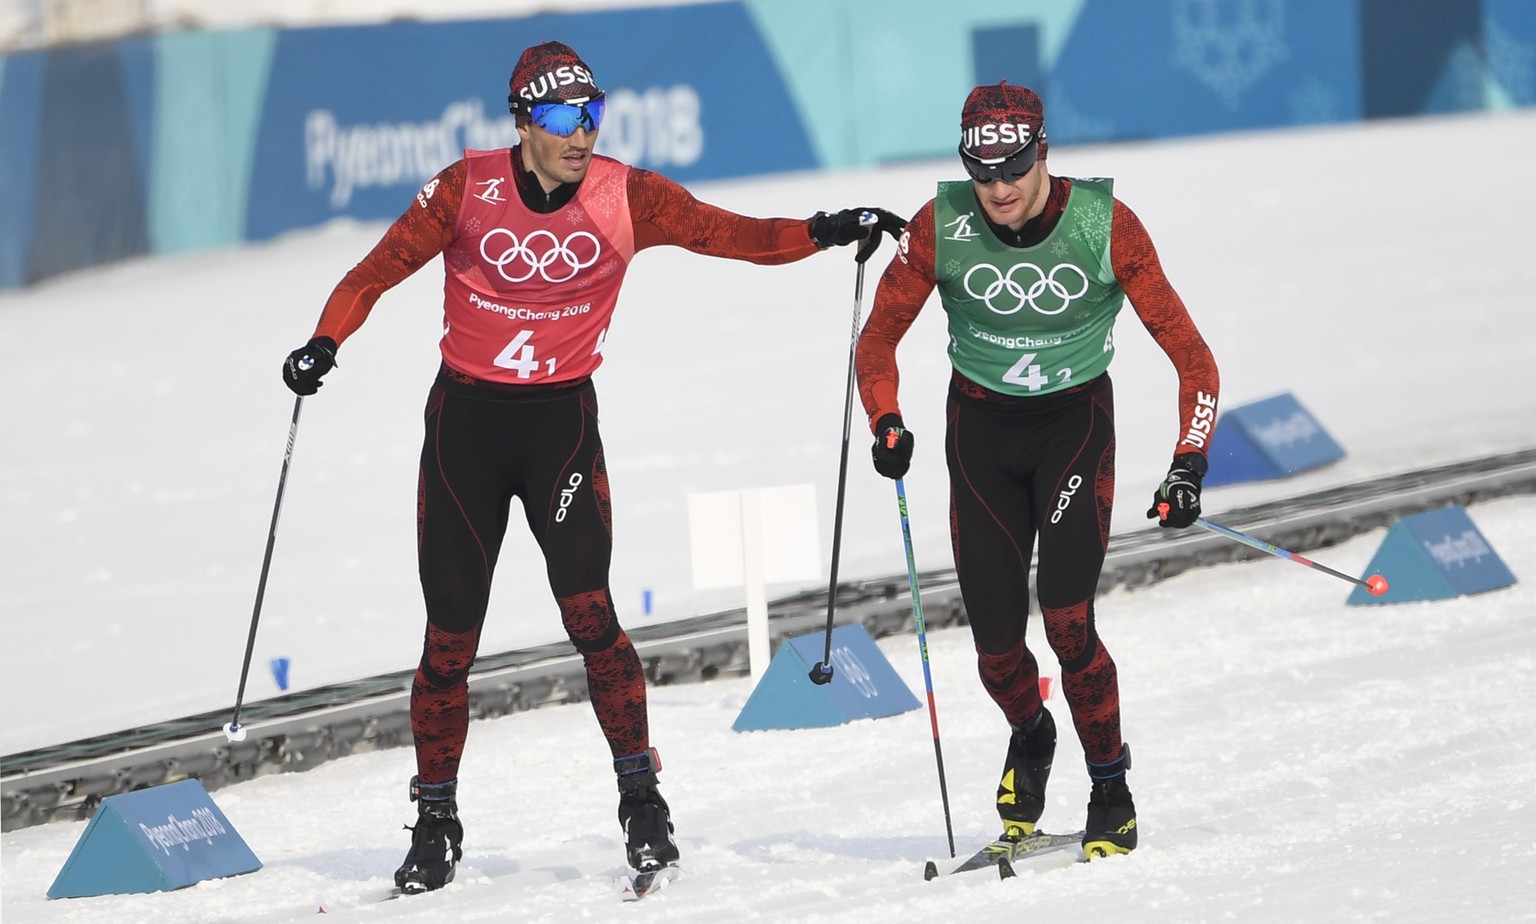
x=1228 y=44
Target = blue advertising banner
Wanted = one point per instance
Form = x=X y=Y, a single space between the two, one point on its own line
x=1420 y=56
x=1151 y=70
x=87 y=179
x=21 y=107
x=166 y=143
x=209 y=93
x=358 y=118
x=1509 y=51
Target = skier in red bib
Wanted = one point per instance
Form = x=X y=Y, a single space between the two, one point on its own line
x=535 y=241
x=1032 y=270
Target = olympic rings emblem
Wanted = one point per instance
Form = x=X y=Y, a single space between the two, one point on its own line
x=1004 y=282
x=525 y=259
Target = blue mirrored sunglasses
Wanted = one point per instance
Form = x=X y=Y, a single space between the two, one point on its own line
x=1008 y=169
x=564 y=118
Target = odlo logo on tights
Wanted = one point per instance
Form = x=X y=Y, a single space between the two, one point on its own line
x=1064 y=499
x=567 y=494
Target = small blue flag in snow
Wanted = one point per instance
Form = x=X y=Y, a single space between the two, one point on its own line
x=280 y=672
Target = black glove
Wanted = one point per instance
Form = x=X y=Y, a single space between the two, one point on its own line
x=893 y=446
x=304 y=367
x=1176 y=502
x=838 y=228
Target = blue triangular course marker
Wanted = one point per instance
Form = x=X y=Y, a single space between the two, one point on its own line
x=153 y=840
x=1434 y=556
x=863 y=685
x=1268 y=439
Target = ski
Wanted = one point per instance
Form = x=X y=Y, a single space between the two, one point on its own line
x=633 y=888
x=1002 y=853
x=397 y=892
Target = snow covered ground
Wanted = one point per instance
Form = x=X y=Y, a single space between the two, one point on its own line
x=1296 y=758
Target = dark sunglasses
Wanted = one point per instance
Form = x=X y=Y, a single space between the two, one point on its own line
x=564 y=118
x=1008 y=169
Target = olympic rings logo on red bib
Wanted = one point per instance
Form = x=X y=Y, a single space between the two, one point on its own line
x=541 y=253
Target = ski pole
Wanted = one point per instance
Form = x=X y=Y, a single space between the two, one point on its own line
x=234 y=731
x=922 y=645
x=821 y=673
x=1375 y=585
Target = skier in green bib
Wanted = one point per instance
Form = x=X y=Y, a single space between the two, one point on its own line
x=1032 y=271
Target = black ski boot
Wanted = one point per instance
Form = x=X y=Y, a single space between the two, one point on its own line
x=435 y=839
x=643 y=813
x=1111 y=826
x=1021 y=792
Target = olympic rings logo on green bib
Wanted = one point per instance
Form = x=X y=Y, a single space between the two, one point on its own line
x=1003 y=290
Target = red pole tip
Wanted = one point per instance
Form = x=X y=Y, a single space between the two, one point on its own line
x=1376 y=584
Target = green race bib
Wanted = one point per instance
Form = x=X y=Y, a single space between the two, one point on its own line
x=1031 y=320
